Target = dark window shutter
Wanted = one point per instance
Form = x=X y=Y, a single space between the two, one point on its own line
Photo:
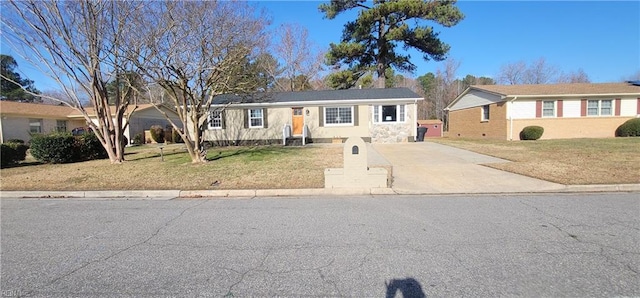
x=618 y=106
x=560 y=108
x=355 y=115
x=265 y=117
x=223 y=115
x=321 y=116
x=245 y=118
x=538 y=108
x=583 y=107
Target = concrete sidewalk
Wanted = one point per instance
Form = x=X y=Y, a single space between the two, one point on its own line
x=424 y=168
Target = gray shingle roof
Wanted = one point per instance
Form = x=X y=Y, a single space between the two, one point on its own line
x=318 y=95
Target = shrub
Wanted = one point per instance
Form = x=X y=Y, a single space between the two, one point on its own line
x=176 y=137
x=168 y=135
x=157 y=133
x=12 y=153
x=89 y=147
x=19 y=141
x=54 y=148
x=531 y=133
x=630 y=128
x=66 y=148
x=138 y=139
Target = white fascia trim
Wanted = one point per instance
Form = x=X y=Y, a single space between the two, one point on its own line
x=344 y=102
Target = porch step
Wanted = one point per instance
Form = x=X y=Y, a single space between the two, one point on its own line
x=294 y=141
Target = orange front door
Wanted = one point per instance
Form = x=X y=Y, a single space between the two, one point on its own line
x=297 y=121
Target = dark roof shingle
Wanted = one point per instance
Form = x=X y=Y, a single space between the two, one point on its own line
x=318 y=95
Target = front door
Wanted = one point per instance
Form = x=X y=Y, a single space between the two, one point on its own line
x=297 y=121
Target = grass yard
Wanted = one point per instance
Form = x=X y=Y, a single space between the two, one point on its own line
x=264 y=167
x=568 y=161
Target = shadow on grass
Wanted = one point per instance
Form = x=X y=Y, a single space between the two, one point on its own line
x=148 y=155
x=255 y=153
x=23 y=164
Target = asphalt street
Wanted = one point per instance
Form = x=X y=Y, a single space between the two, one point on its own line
x=552 y=245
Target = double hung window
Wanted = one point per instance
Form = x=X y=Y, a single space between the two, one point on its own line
x=338 y=116
x=389 y=113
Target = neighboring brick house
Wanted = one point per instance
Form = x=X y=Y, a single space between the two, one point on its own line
x=582 y=110
x=18 y=120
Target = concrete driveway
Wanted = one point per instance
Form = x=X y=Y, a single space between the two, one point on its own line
x=426 y=167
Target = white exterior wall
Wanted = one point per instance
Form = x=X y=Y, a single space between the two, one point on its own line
x=629 y=106
x=523 y=109
x=571 y=108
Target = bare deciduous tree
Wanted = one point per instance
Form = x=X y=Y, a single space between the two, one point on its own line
x=512 y=73
x=538 y=72
x=75 y=43
x=578 y=76
x=301 y=60
x=196 y=50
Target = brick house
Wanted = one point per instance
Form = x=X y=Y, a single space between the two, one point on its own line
x=582 y=110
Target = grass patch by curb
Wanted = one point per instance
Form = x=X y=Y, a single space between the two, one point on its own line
x=565 y=161
x=263 y=167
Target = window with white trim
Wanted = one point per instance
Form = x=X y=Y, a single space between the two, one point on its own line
x=215 y=119
x=35 y=125
x=485 y=113
x=599 y=107
x=338 y=116
x=255 y=118
x=548 y=108
x=389 y=113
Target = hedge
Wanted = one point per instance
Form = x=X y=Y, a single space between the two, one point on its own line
x=12 y=153
x=531 y=133
x=65 y=148
x=631 y=128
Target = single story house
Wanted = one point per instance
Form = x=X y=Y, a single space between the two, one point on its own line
x=18 y=120
x=376 y=115
x=581 y=110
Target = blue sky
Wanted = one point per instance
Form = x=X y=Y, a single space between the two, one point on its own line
x=601 y=37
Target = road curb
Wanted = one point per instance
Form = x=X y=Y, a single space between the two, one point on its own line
x=307 y=192
x=98 y=194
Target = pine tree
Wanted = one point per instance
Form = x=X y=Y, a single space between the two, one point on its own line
x=369 y=43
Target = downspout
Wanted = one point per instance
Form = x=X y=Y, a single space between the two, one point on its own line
x=415 y=121
x=510 y=107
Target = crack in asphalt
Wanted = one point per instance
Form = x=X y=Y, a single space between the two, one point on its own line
x=602 y=253
x=154 y=234
x=243 y=274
